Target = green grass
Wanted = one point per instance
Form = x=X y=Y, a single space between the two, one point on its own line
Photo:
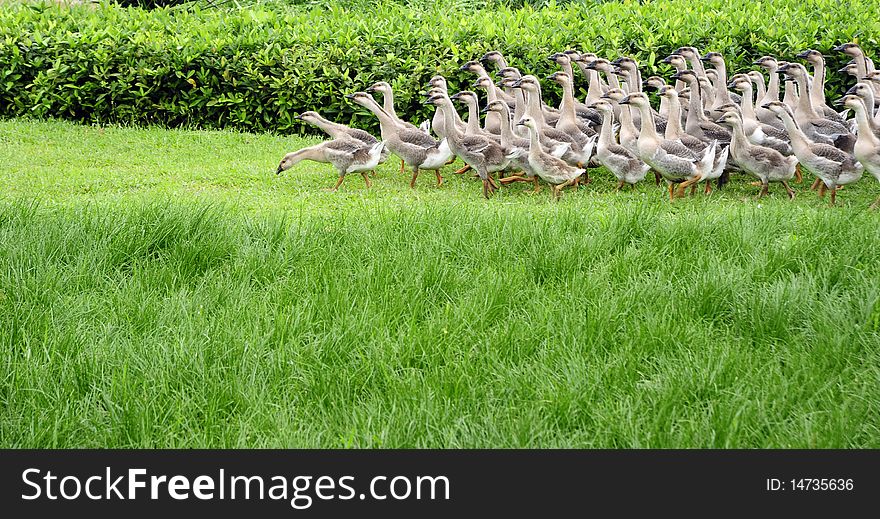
x=165 y=289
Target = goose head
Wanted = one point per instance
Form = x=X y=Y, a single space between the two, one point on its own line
x=712 y=75
x=560 y=58
x=731 y=119
x=582 y=57
x=286 y=163
x=850 y=69
x=560 y=78
x=484 y=82
x=792 y=70
x=510 y=73
x=812 y=56
x=676 y=60
x=767 y=63
x=755 y=76
x=437 y=81
x=668 y=92
x=614 y=94
x=528 y=83
x=308 y=117
x=464 y=96
x=436 y=100
x=473 y=67
x=493 y=56
x=688 y=52
x=602 y=106
x=861 y=89
x=851 y=101
x=688 y=76
x=625 y=62
x=713 y=58
x=600 y=64
x=654 y=83
x=637 y=99
x=495 y=106
x=850 y=49
x=528 y=122
x=873 y=77
x=740 y=82
x=380 y=86
x=778 y=108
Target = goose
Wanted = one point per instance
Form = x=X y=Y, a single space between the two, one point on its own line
x=493 y=119
x=722 y=96
x=341 y=131
x=771 y=65
x=569 y=118
x=707 y=91
x=621 y=162
x=550 y=137
x=850 y=69
x=552 y=170
x=791 y=96
x=347 y=155
x=674 y=131
x=866 y=93
x=697 y=123
x=679 y=63
x=581 y=110
x=605 y=66
x=833 y=166
x=676 y=163
x=862 y=63
x=817 y=87
x=438 y=121
x=481 y=153
x=470 y=99
x=756 y=131
x=595 y=87
x=388 y=103
x=867 y=148
x=416 y=148
x=628 y=76
x=519 y=107
x=519 y=145
x=815 y=126
x=628 y=134
x=496 y=58
x=767 y=164
x=763 y=115
x=631 y=67
x=658 y=83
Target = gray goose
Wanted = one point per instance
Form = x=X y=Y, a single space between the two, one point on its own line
x=481 y=153
x=552 y=170
x=814 y=126
x=867 y=148
x=341 y=131
x=832 y=166
x=767 y=164
x=622 y=163
x=347 y=155
x=417 y=149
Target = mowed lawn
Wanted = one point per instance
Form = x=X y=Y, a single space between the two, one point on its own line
x=166 y=289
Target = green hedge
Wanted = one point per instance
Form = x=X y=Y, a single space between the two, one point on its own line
x=254 y=68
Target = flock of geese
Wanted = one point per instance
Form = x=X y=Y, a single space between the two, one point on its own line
x=706 y=125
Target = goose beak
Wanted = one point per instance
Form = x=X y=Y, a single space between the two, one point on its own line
x=485 y=109
x=784 y=68
x=370 y=89
x=842 y=70
x=466 y=67
x=840 y=48
x=677 y=75
x=298 y=117
x=731 y=84
x=803 y=55
x=456 y=96
x=705 y=58
x=839 y=102
x=667 y=60
x=624 y=101
x=555 y=56
x=279 y=170
x=349 y=96
x=851 y=92
x=516 y=84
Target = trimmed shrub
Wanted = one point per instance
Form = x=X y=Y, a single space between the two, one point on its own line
x=255 y=68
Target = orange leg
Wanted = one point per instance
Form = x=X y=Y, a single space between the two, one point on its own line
x=463 y=170
x=816 y=183
x=415 y=175
x=686 y=184
x=334 y=188
x=439 y=177
x=537 y=188
x=492 y=183
x=822 y=188
x=402 y=164
x=671 y=188
x=789 y=190
x=764 y=190
x=708 y=189
x=833 y=195
x=798 y=176
x=367 y=179
x=657 y=178
x=875 y=205
x=619 y=186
